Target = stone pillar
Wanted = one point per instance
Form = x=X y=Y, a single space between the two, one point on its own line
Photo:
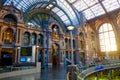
x=44 y=40
x=36 y=54
x=21 y=37
x=16 y=55
x=30 y=43
x=77 y=50
x=69 y=40
x=16 y=36
x=37 y=39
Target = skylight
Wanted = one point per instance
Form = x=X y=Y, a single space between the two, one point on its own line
x=71 y=1
x=93 y=8
x=111 y=4
x=90 y=8
x=60 y=7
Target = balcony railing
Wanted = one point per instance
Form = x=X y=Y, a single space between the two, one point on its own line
x=87 y=70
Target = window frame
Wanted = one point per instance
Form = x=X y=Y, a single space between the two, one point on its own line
x=107 y=48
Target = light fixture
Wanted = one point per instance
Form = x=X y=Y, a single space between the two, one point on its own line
x=37 y=46
x=18 y=47
x=70 y=28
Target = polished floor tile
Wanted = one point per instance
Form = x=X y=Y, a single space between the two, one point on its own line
x=55 y=73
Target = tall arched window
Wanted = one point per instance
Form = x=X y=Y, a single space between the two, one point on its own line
x=66 y=43
x=10 y=18
x=40 y=40
x=26 y=38
x=33 y=41
x=107 y=38
x=8 y=36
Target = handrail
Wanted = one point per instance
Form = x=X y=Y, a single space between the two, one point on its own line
x=86 y=70
x=12 y=68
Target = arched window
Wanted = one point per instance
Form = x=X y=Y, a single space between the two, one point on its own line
x=10 y=18
x=40 y=40
x=33 y=41
x=26 y=38
x=107 y=38
x=8 y=36
x=66 y=43
x=74 y=44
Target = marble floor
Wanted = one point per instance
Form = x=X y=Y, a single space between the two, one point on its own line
x=51 y=73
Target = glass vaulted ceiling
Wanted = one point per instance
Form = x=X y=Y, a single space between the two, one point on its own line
x=90 y=8
x=59 y=7
x=94 y=8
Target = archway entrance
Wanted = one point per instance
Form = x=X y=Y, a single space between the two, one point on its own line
x=55 y=56
x=41 y=57
x=7 y=57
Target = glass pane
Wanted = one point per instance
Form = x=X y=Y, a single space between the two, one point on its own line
x=60 y=13
x=110 y=27
x=64 y=17
x=97 y=9
x=113 y=48
x=112 y=41
x=101 y=36
x=7 y=2
x=71 y=1
x=88 y=14
x=55 y=9
x=111 y=4
x=38 y=5
x=101 y=29
x=102 y=48
x=69 y=11
x=16 y=2
x=111 y=34
x=102 y=42
x=80 y=5
x=67 y=22
x=107 y=42
x=105 y=27
x=108 y=48
x=90 y=2
x=106 y=35
x=44 y=5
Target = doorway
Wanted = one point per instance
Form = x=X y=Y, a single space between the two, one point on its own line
x=7 y=57
x=41 y=57
x=55 y=54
